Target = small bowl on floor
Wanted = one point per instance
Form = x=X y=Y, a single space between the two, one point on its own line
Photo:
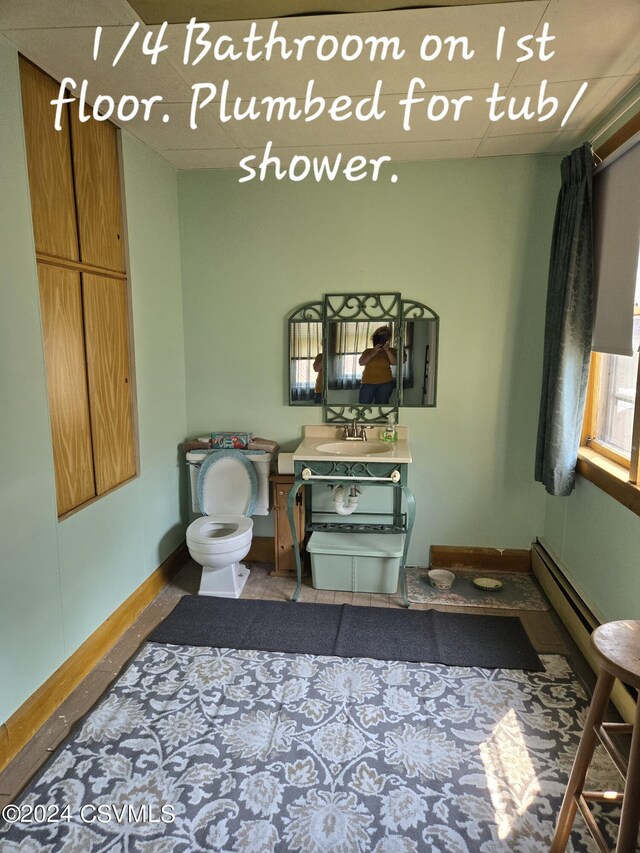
x=441 y=578
x=487 y=584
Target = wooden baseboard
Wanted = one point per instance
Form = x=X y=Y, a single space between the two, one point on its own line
x=486 y=559
x=30 y=716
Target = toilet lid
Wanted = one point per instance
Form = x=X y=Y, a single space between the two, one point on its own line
x=227 y=484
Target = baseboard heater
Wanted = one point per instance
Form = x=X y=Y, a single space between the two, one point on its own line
x=577 y=618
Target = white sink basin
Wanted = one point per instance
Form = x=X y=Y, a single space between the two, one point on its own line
x=354 y=448
x=324 y=443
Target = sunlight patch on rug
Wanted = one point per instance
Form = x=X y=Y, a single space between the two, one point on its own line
x=512 y=781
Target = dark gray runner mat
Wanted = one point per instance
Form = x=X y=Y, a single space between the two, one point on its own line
x=456 y=639
x=422 y=636
x=266 y=626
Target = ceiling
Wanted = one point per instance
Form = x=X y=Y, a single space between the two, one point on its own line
x=596 y=42
x=180 y=11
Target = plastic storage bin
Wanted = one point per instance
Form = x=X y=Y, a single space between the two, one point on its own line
x=356 y=562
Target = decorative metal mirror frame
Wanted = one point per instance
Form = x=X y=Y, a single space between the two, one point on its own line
x=382 y=307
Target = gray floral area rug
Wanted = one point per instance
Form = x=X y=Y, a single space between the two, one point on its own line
x=203 y=749
x=519 y=590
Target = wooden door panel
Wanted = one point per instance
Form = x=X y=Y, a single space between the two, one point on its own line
x=49 y=164
x=97 y=185
x=284 y=548
x=61 y=307
x=105 y=313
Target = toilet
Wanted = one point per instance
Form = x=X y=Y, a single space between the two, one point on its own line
x=228 y=486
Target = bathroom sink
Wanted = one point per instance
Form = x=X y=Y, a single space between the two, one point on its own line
x=324 y=443
x=354 y=448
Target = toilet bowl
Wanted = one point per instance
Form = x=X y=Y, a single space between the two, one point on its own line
x=227 y=490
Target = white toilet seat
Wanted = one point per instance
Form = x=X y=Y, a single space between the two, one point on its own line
x=219 y=531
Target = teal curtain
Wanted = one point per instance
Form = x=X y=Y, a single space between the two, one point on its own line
x=568 y=326
x=305 y=342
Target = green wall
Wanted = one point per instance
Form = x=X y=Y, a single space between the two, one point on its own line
x=31 y=633
x=469 y=238
x=60 y=581
x=596 y=541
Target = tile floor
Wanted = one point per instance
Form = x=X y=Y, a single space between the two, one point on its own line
x=544 y=628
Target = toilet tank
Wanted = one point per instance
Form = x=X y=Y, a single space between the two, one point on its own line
x=260 y=461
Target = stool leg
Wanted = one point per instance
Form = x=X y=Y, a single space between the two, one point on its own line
x=575 y=785
x=630 y=815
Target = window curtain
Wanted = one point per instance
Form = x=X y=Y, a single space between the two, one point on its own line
x=305 y=343
x=568 y=325
x=348 y=341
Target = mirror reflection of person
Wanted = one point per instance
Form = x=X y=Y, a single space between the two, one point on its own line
x=317 y=366
x=377 y=380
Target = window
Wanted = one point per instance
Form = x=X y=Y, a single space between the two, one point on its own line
x=611 y=407
x=611 y=429
x=347 y=342
x=305 y=347
x=74 y=183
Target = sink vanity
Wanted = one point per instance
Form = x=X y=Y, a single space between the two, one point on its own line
x=361 y=357
x=324 y=456
x=323 y=443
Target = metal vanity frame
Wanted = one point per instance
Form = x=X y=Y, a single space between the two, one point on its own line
x=389 y=474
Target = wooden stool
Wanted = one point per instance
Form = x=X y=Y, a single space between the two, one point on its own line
x=617 y=647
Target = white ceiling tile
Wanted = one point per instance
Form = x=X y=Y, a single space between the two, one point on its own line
x=398 y=152
x=31 y=14
x=596 y=41
x=229 y=158
x=528 y=143
x=69 y=53
x=204 y=158
x=593 y=38
x=176 y=133
x=289 y=77
x=441 y=149
x=473 y=123
x=597 y=100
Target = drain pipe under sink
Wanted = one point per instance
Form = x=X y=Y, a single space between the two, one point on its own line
x=338 y=500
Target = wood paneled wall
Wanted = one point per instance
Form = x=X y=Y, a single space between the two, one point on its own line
x=97 y=183
x=50 y=170
x=74 y=181
x=105 y=302
x=61 y=309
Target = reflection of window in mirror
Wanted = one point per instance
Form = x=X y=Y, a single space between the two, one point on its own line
x=305 y=341
x=328 y=343
x=348 y=341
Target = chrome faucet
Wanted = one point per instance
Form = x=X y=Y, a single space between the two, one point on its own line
x=351 y=432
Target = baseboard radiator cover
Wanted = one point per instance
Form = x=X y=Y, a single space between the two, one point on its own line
x=577 y=619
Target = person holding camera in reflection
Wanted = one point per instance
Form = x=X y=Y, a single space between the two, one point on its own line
x=377 y=380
